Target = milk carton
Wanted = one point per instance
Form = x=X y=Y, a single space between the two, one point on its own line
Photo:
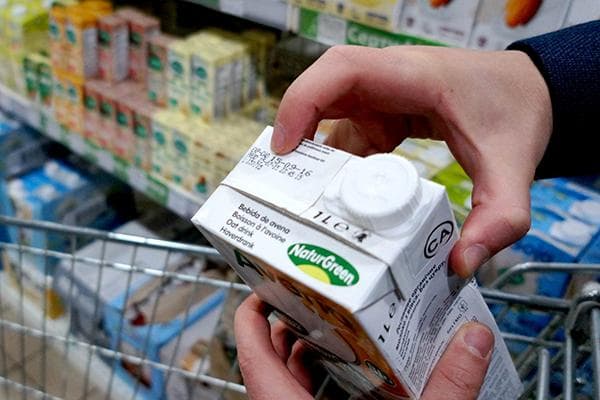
x=352 y=253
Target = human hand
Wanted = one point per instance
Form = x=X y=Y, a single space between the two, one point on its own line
x=275 y=365
x=493 y=110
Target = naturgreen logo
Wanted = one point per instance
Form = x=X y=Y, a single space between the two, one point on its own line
x=323 y=265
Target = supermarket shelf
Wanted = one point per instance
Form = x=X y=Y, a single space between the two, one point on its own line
x=273 y=13
x=174 y=198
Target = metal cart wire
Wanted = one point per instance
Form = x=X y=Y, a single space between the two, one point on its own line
x=47 y=352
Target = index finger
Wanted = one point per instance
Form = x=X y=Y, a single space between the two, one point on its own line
x=349 y=80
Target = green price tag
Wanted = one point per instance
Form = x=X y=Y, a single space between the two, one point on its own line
x=89 y=152
x=120 y=169
x=157 y=191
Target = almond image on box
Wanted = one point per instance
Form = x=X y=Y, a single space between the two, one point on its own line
x=352 y=253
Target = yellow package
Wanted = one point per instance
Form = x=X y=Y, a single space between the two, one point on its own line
x=59 y=97
x=81 y=41
x=200 y=176
x=57 y=34
x=210 y=78
x=26 y=28
x=75 y=103
x=163 y=123
x=178 y=76
x=263 y=42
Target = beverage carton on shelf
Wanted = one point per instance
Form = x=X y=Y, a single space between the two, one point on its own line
x=448 y=22
x=499 y=23
x=352 y=253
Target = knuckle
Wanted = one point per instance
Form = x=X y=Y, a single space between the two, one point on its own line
x=518 y=220
x=338 y=53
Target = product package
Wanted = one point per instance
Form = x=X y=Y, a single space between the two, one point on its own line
x=353 y=257
x=113 y=53
x=448 y=22
x=142 y=28
x=158 y=64
x=500 y=23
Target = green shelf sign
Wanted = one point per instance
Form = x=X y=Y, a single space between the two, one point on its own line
x=358 y=34
x=157 y=191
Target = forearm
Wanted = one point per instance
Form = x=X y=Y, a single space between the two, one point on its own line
x=569 y=61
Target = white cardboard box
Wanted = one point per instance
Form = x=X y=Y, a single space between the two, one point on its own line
x=315 y=233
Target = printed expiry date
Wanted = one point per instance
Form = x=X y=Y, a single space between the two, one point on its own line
x=259 y=159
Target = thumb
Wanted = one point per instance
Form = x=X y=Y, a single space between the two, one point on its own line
x=500 y=216
x=460 y=372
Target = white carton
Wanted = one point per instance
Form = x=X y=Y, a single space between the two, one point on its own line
x=352 y=253
x=449 y=22
x=500 y=23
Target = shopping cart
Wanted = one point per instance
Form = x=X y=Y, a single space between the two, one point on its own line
x=48 y=353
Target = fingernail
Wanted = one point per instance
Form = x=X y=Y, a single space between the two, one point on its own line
x=278 y=140
x=474 y=256
x=479 y=340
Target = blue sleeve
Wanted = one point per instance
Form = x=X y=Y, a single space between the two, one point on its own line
x=569 y=60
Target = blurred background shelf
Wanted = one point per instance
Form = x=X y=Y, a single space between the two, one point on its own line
x=165 y=194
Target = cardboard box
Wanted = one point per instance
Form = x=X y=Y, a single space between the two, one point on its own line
x=21 y=149
x=89 y=288
x=499 y=23
x=142 y=28
x=323 y=236
x=92 y=129
x=113 y=53
x=158 y=64
x=448 y=22
x=178 y=76
x=142 y=129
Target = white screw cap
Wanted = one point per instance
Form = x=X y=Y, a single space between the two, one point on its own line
x=380 y=192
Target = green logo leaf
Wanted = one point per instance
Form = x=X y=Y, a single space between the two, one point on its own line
x=140 y=131
x=180 y=147
x=122 y=119
x=104 y=38
x=154 y=63
x=323 y=264
x=177 y=67
x=201 y=73
x=71 y=36
x=135 y=39
x=159 y=137
x=90 y=102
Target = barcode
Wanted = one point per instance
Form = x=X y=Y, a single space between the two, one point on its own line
x=259 y=159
